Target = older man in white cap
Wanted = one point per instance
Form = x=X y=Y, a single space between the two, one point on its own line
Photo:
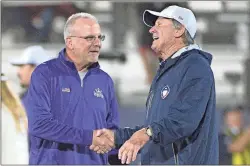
x=31 y=57
x=180 y=126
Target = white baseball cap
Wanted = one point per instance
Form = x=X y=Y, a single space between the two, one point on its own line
x=34 y=55
x=183 y=15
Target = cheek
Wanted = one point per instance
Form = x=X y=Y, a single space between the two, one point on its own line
x=80 y=51
x=160 y=42
x=83 y=48
x=25 y=74
x=162 y=38
x=22 y=71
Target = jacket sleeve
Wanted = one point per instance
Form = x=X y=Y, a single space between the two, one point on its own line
x=40 y=119
x=123 y=134
x=112 y=120
x=187 y=111
x=113 y=115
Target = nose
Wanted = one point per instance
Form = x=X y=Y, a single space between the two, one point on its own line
x=152 y=30
x=97 y=42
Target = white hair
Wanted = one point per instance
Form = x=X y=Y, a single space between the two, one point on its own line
x=72 y=19
x=187 y=39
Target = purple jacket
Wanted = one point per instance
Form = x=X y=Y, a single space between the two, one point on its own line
x=62 y=114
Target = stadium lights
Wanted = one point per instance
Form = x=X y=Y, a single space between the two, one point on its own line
x=101 y=5
x=233 y=17
x=202 y=25
x=206 y=6
x=237 y=5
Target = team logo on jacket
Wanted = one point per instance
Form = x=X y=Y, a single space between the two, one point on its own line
x=98 y=93
x=165 y=91
x=65 y=89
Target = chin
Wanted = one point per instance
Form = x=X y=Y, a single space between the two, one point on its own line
x=93 y=60
x=155 y=49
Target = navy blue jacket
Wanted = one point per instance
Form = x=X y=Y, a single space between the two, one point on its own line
x=181 y=112
x=62 y=114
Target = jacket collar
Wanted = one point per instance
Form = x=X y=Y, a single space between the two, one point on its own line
x=70 y=64
x=184 y=49
x=174 y=58
x=168 y=63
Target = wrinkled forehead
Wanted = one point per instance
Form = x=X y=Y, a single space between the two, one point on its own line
x=86 y=26
x=163 y=20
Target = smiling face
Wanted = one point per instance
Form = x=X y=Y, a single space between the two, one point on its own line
x=165 y=35
x=84 y=41
x=162 y=33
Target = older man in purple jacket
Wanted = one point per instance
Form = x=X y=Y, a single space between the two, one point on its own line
x=70 y=98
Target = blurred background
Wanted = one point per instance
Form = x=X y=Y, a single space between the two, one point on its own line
x=223 y=30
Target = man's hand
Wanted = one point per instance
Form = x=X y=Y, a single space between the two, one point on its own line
x=131 y=147
x=103 y=141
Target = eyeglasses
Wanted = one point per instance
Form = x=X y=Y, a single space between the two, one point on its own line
x=91 y=38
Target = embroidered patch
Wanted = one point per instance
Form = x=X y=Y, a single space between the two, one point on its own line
x=165 y=91
x=98 y=93
x=65 y=89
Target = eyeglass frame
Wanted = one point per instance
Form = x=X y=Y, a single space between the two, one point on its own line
x=100 y=37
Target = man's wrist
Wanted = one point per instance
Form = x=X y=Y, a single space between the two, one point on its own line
x=149 y=132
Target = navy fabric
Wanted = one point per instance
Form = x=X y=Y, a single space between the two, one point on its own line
x=181 y=110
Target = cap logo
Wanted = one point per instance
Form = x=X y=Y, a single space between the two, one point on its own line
x=180 y=18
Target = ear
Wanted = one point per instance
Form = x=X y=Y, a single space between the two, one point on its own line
x=179 y=32
x=69 y=43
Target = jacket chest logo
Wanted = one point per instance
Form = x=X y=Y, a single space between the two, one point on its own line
x=98 y=93
x=66 y=90
x=165 y=91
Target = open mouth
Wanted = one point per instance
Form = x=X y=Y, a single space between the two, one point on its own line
x=155 y=37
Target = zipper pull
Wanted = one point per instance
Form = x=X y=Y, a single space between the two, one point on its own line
x=81 y=83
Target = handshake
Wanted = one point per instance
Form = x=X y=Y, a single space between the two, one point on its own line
x=104 y=141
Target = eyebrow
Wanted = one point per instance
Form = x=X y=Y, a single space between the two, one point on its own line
x=94 y=35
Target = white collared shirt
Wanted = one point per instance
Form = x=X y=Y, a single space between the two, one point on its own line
x=187 y=48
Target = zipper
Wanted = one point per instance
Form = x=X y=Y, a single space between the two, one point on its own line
x=149 y=103
x=176 y=160
x=82 y=81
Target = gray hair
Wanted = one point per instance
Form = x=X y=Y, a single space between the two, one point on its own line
x=68 y=26
x=187 y=39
